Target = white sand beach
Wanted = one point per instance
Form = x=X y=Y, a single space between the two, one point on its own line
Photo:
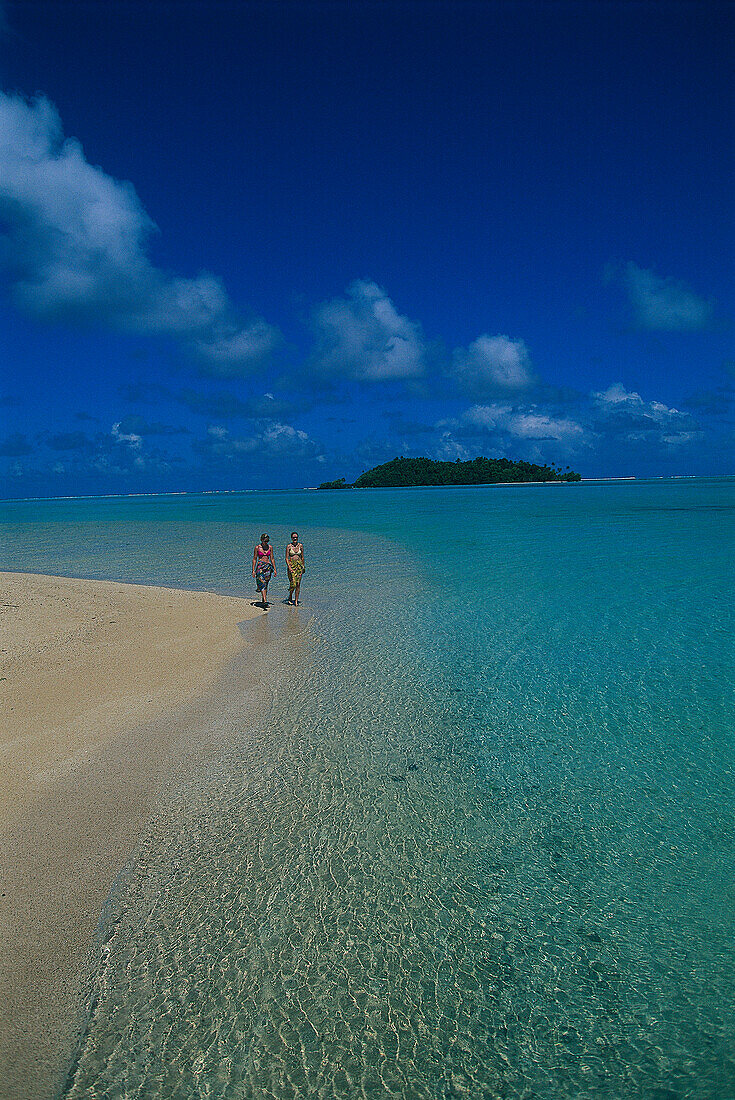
x=91 y=672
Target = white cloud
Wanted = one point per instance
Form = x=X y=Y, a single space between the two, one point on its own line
x=529 y=424
x=487 y=416
x=449 y=449
x=664 y=303
x=612 y=416
x=227 y=352
x=275 y=440
x=617 y=399
x=74 y=247
x=618 y=395
x=364 y=337
x=130 y=438
x=493 y=363
x=533 y=425
x=282 y=437
x=626 y=414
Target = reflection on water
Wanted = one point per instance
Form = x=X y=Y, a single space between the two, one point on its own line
x=478 y=850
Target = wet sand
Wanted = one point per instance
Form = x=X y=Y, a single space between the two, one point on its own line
x=95 y=680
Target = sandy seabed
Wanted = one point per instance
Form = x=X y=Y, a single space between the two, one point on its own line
x=95 y=679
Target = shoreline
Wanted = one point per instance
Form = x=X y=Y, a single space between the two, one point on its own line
x=314 y=488
x=100 y=680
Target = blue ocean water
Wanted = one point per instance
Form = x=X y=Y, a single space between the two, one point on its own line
x=481 y=843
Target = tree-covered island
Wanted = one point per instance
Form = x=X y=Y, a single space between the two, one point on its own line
x=407 y=472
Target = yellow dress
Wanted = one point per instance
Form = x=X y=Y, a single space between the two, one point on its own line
x=296 y=566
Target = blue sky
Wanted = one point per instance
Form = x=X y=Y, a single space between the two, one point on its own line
x=267 y=244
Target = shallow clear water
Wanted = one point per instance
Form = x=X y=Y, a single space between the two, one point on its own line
x=481 y=845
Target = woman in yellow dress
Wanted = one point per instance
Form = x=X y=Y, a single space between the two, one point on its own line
x=295 y=565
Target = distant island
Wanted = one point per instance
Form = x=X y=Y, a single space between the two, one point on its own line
x=406 y=472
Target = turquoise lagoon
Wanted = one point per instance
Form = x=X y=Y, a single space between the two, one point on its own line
x=480 y=840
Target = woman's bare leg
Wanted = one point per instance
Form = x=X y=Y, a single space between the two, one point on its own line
x=297 y=591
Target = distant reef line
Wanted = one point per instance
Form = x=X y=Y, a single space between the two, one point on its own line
x=402 y=473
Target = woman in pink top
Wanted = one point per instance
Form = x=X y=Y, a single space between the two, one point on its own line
x=264 y=567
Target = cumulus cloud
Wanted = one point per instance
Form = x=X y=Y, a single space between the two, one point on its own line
x=535 y=425
x=600 y=426
x=284 y=439
x=664 y=303
x=616 y=399
x=364 y=337
x=535 y=432
x=601 y=422
x=493 y=364
x=74 y=247
x=106 y=458
x=530 y=424
x=229 y=349
x=275 y=440
x=625 y=413
x=131 y=438
x=481 y=416
x=449 y=449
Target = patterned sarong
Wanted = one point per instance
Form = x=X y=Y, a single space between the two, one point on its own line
x=297 y=570
x=263 y=573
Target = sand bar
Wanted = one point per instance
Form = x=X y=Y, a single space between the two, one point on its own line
x=90 y=671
